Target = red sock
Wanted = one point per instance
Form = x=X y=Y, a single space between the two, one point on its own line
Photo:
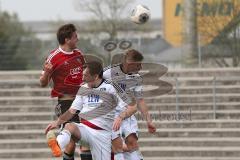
x=112 y=156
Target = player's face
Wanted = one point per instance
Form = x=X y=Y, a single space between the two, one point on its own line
x=134 y=67
x=72 y=42
x=87 y=77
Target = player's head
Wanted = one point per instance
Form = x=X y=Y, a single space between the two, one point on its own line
x=67 y=35
x=132 y=61
x=92 y=71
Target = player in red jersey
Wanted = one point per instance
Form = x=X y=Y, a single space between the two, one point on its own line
x=64 y=66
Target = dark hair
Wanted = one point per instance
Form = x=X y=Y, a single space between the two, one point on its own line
x=65 y=31
x=94 y=67
x=133 y=55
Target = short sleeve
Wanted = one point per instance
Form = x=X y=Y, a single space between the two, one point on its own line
x=77 y=103
x=107 y=74
x=138 y=92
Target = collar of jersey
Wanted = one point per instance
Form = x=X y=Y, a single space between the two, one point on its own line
x=65 y=51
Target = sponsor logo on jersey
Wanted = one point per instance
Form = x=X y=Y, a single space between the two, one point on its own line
x=75 y=71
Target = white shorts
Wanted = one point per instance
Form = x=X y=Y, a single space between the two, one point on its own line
x=99 y=141
x=128 y=127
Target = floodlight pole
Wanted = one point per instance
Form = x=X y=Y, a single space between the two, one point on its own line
x=199 y=51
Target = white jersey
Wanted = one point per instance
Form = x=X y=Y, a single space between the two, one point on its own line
x=98 y=105
x=130 y=83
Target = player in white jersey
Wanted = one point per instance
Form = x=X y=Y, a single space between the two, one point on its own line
x=127 y=77
x=95 y=103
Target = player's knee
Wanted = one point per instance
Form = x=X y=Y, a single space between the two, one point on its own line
x=70 y=127
x=131 y=143
x=117 y=147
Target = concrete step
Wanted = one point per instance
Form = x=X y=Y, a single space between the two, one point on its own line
x=146 y=151
x=196 y=81
x=182 y=90
x=19 y=83
x=193 y=106
x=38 y=158
x=40 y=100
x=152 y=106
x=26 y=116
x=28 y=108
x=145 y=158
x=156 y=115
x=31 y=74
x=197 y=98
x=190 y=158
x=190 y=151
x=187 y=142
x=203 y=72
x=43 y=100
x=189 y=115
x=27 y=125
x=206 y=89
x=191 y=132
x=21 y=92
x=145 y=142
x=223 y=123
x=161 y=132
x=23 y=143
x=24 y=125
x=26 y=153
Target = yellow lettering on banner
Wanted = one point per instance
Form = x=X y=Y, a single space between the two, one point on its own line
x=173 y=21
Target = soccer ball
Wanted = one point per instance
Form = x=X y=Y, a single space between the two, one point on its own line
x=140 y=14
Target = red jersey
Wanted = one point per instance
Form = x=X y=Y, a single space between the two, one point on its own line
x=67 y=71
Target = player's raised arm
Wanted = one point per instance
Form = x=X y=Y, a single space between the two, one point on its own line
x=124 y=101
x=46 y=74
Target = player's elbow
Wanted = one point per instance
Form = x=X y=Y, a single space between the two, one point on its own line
x=43 y=83
x=134 y=108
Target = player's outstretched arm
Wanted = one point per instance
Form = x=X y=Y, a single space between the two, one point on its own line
x=146 y=116
x=129 y=111
x=63 y=118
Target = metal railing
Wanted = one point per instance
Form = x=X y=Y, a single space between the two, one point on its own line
x=214 y=81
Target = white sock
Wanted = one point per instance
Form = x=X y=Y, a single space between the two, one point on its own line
x=118 y=156
x=131 y=155
x=139 y=154
x=63 y=139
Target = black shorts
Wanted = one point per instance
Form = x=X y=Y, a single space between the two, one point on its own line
x=63 y=106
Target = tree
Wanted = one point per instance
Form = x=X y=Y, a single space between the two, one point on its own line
x=17 y=46
x=107 y=14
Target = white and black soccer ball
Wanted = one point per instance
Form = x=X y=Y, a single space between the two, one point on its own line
x=140 y=14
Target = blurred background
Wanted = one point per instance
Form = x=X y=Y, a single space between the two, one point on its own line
x=28 y=28
x=180 y=34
